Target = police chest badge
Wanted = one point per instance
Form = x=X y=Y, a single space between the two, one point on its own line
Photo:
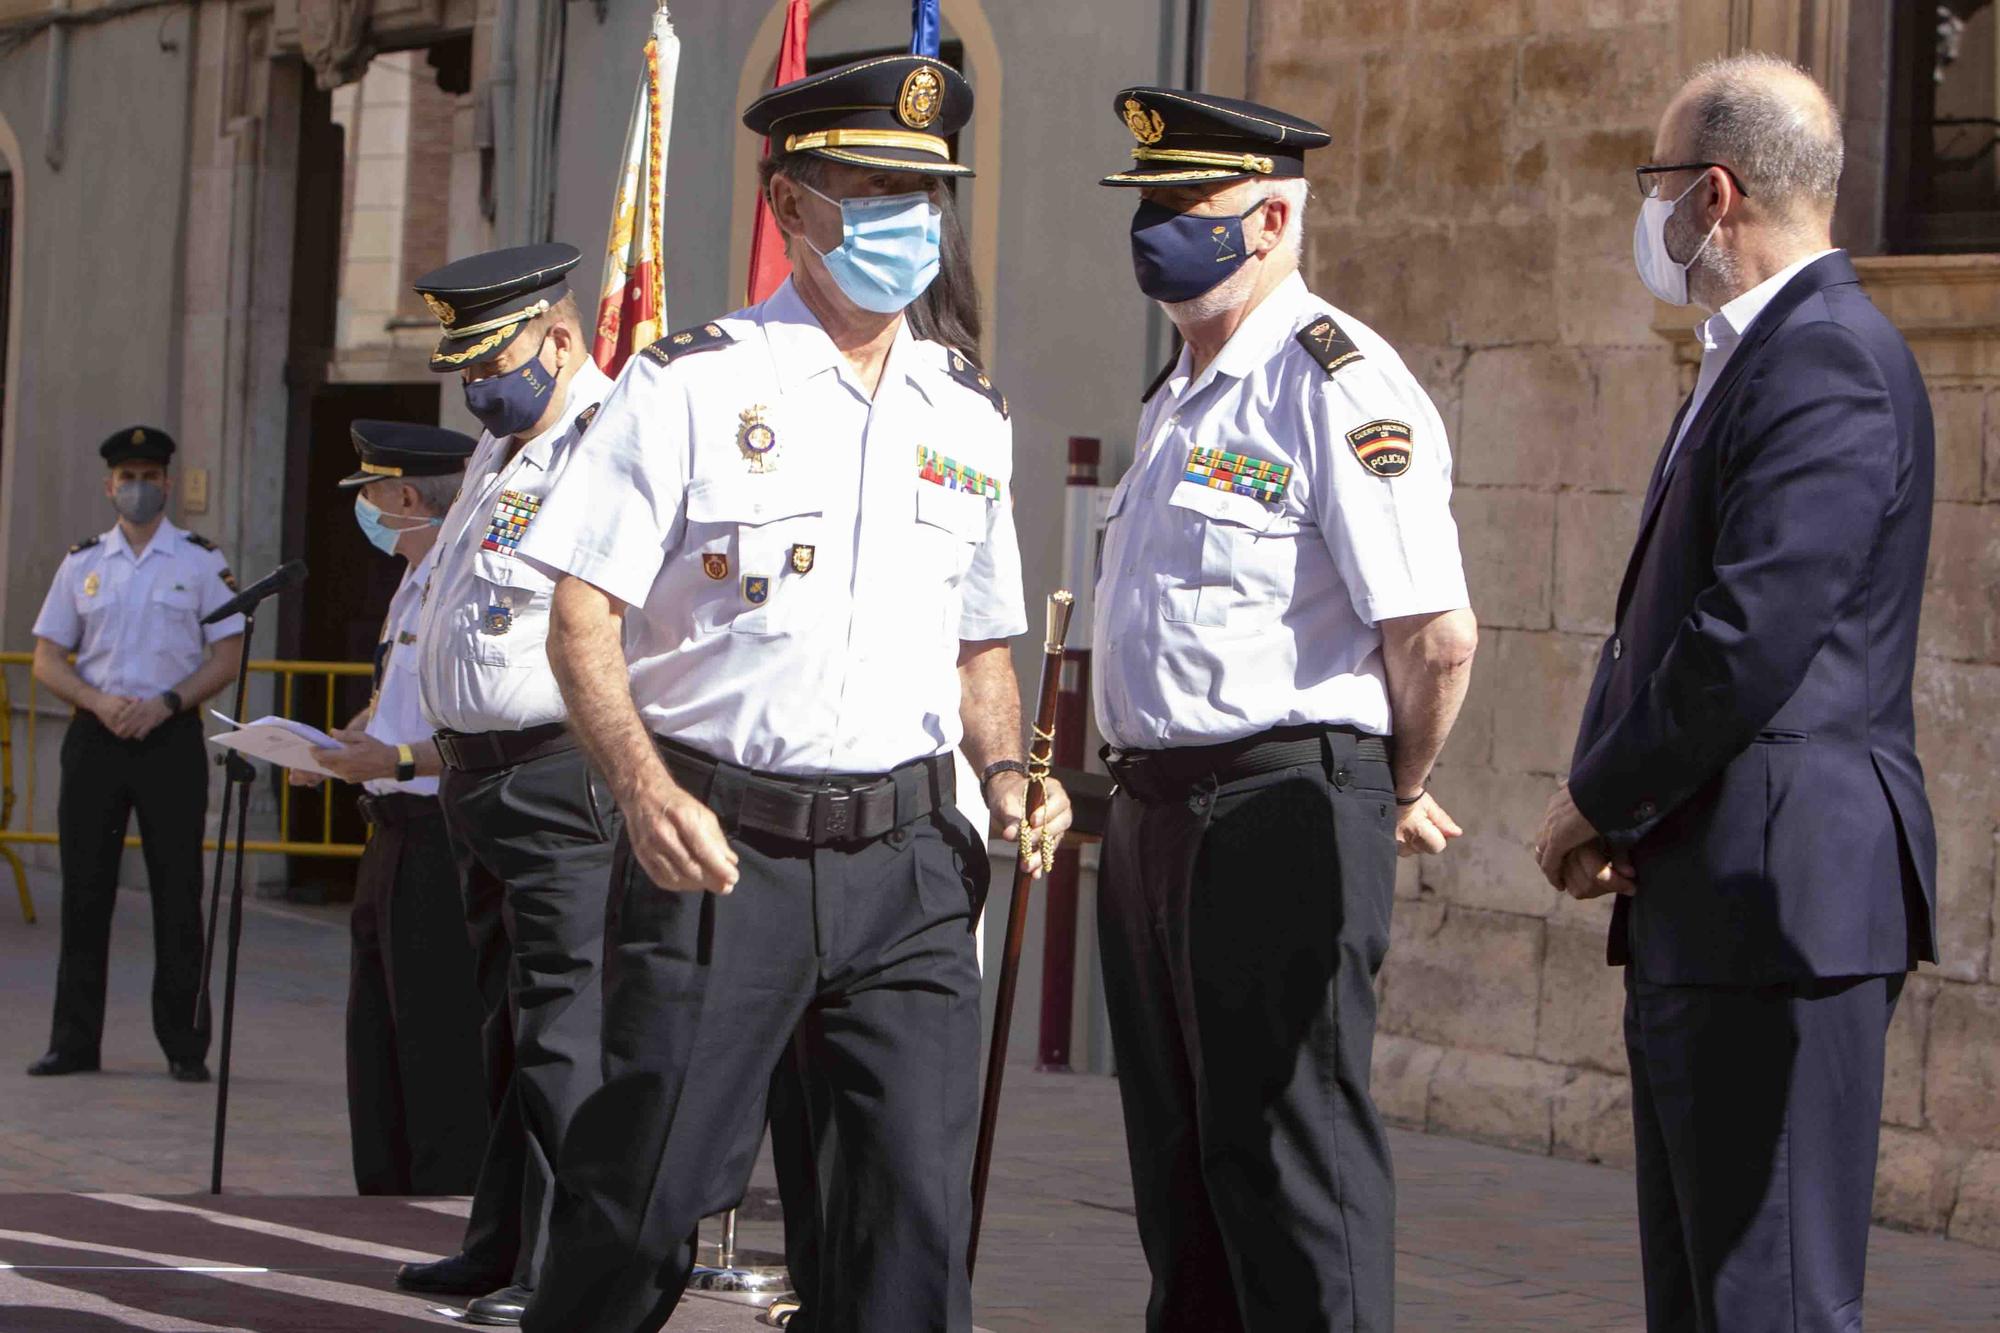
x=91 y=583
x=1384 y=447
x=715 y=564
x=802 y=558
x=756 y=439
x=499 y=618
x=756 y=589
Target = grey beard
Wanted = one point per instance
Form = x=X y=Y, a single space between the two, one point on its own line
x=1715 y=271
x=1217 y=300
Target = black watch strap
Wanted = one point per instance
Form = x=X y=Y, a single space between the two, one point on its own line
x=173 y=702
x=998 y=767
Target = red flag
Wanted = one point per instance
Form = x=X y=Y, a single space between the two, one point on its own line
x=768 y=265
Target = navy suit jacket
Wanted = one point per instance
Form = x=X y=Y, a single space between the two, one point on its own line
x=1749 y=737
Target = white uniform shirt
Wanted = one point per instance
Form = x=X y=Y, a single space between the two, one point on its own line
x=398 y=717
x=901 y=509
x=1222 y=614
x=1723 y=330
x=485 y=622
x=134 y=621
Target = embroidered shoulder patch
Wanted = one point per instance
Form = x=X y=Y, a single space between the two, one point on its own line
x=935 y=468
x=701 y=338
x=1329 y=344
x=511 y=515
x=86 y=543
x=1240 y=474
x=975 y=379
x=1384 y=447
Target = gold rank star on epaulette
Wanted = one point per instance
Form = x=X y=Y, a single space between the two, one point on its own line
x=701 y=338
x=1329 y=344
x=962 y=369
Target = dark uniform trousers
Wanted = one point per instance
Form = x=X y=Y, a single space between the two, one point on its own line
x=415 y=1104
x=860 y=957
x=1756 y=1113
x=104 y=782
x=1242 y=922
x=534 y=844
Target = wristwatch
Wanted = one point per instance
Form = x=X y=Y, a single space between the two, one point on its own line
x=406 y=764
x=998 y=767
x=172 y=701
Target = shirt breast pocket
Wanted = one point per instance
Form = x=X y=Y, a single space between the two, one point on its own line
x=513 y=611
x=951 y=524
x=175 y=625
x=755 y=540
x=1229 y=553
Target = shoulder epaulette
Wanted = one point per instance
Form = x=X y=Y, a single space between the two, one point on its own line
x=701 y=338
x=585 y=417
x=86 y=543
x=201 y=541
x=963 y=369
x=1329 y=344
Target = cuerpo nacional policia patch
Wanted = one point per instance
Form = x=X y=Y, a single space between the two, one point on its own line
x=1384 y=447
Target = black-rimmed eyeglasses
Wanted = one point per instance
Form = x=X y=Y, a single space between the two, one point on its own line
x=1650 y=182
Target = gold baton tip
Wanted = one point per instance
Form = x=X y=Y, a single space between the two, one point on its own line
x=1061 y=602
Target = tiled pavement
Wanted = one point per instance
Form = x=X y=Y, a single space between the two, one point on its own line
x=1487 y=1239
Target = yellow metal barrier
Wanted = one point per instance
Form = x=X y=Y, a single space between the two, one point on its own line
x=288 y=675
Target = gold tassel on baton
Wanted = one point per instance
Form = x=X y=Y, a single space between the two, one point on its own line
x=1038 y=850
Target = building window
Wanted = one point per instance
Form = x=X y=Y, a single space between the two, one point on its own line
x=1944 y=128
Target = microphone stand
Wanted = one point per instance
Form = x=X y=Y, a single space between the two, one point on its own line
x=238 y=774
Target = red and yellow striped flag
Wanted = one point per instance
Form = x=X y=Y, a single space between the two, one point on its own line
x=632 y=311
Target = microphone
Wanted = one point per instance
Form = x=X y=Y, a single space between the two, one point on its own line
x=288 y=575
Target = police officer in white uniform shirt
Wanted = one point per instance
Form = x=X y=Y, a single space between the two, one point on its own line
x=800 y=516
x=416 y=1103
x=1280 y=591
x=529 y=821
x=129 y=604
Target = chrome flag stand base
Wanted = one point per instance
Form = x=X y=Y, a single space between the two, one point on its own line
x=747 y=1277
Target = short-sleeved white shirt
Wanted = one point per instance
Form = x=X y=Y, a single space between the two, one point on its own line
x=1221 y=614
x=398 y=715
x=134 y=621
x=898 y=509
x=482 y=661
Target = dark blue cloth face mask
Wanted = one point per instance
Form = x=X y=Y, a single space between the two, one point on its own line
x=1178 y=256
x=510 y=403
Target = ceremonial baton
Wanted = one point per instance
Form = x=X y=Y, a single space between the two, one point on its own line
x=1037 y=850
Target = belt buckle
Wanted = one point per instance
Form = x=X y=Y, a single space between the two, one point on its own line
x=833 y=814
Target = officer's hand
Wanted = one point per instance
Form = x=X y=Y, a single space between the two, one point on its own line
x=680 y=843
x=1589 y=873
x=142 y=715
x=1564 y=829
x=1424 y=827
x=298 y=777
x=360 y=758
x=1009 y=794
x=111 y=710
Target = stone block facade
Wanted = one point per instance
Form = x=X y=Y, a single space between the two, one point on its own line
x=1476 y=209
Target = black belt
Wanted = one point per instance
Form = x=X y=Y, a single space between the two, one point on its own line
x=479 y=751
x=398 y=807
x=820 y=811
x=1165 y=775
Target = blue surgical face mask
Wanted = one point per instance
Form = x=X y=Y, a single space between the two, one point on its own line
x=513 y=401
x=379 y=534
x=888 y=251
x=1178 y=256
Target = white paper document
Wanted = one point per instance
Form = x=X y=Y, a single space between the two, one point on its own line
x=277 y=740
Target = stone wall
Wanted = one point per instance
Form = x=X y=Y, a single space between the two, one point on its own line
x=1476 y=209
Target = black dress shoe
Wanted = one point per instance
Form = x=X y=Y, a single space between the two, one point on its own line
x=460 y=1275
x=503 y=1309
x=55 y=1062
x=188 y=1071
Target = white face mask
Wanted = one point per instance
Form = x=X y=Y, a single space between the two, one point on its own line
x=1663 y=277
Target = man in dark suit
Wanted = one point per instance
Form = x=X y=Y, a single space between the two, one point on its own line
x=1745 y=776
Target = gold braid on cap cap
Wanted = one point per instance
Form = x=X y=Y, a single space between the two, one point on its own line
x=477 y=350
x=377 y=470
x=487 y=325
x=1234 y=161
x=923 y=143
